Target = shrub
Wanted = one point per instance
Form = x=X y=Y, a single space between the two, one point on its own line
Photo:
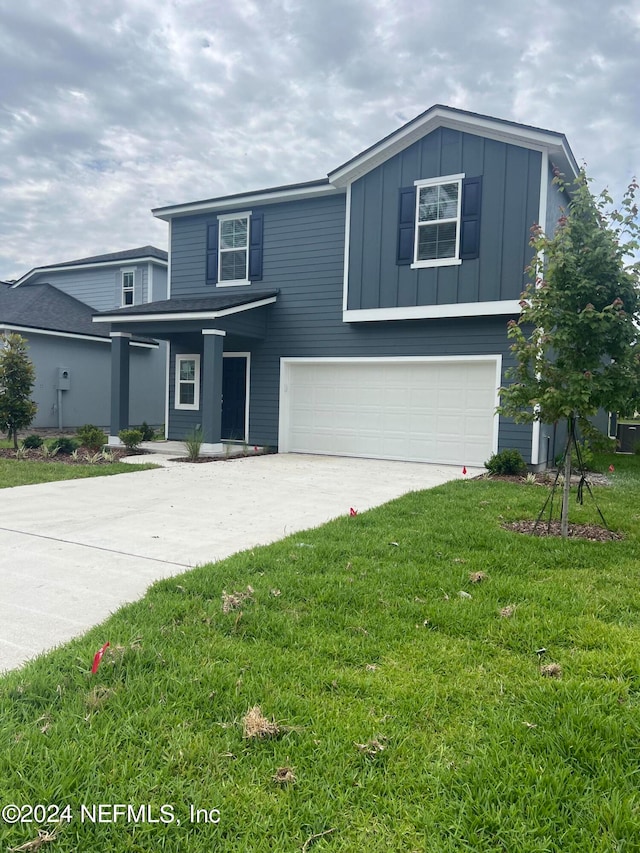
x=508 y=461
x=63 y=445
x=193 y=444
x=131 y=438
x=148 y=433
x=32 y=442
x=91 y=437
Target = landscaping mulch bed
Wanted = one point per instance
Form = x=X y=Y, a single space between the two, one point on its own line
x=592 y=532
x=85 y=458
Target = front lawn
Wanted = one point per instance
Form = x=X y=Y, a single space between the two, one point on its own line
x=406 y=716
x=24 y=472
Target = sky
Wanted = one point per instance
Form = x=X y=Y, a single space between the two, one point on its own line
x=111 y=108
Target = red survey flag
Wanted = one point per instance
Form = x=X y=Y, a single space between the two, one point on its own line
x=98 y=657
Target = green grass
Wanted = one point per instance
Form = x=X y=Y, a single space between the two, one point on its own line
x=17 y=472
x=367 y=640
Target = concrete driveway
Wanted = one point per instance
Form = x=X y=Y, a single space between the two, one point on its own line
x=72 y=552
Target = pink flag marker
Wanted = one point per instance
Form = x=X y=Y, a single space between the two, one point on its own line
x=464 y=469
x=98 y=657
x=353 y=511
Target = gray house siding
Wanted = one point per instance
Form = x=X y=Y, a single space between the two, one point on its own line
x=89 y=364
x=101 y=287
x=304 y=259
x=510 y=206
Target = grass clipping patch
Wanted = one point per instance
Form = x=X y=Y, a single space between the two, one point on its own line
x=256 y=725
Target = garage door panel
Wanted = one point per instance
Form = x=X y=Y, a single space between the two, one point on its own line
x=434 y=411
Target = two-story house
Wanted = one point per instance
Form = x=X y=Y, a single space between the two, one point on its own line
x=52 y=307
x=363 y=314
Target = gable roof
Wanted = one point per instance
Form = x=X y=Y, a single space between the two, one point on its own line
x=143 y=254
x=524 y=135
x=512 y=132
x=44 y=308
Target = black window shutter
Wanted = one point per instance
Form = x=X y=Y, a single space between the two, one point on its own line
x=255 y=247
x=406 y=225
x=212 y=253
x=470 y=222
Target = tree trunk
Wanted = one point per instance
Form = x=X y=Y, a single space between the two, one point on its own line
x=564 y=524
x=15 y=439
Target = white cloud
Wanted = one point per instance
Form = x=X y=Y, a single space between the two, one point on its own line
x=110 y=109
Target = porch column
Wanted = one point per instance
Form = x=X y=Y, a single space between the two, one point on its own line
x=211 y=403
x=119 y=385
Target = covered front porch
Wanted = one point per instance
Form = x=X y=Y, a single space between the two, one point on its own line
x=210 y=340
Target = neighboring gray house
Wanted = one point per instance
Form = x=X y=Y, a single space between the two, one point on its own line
x=52 y=306
x=364 y=314
x=72 y=359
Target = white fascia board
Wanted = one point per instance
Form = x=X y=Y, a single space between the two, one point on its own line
x=182 y=315
x=538 y=140
x=240 y=201
x=126 y=262
x=30 y=330
x=427 y=312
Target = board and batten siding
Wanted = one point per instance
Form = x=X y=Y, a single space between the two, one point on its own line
x=510 y=206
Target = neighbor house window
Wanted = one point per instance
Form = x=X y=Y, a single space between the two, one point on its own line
x=187 y=382
x=128 y=282
x=437 y=223
x=233 y=254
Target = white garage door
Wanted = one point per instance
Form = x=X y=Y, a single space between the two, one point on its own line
x=427 y=410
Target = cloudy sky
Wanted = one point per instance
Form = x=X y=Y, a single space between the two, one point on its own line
x=112 y=107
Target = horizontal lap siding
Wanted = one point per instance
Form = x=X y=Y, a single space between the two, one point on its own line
x=303 y=259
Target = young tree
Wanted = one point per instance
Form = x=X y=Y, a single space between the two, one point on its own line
x=577 y=343
x=17 y=378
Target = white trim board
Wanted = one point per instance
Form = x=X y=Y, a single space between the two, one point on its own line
x=425 y=312
x=30 y=330
x=243 y=200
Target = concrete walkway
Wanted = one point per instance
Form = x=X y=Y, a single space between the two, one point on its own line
x=72 y=552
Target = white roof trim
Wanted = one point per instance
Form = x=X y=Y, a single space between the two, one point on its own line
x=32 y=330
x=66 y=267
x=539 y=140
x=182 y=315
x=244 y=200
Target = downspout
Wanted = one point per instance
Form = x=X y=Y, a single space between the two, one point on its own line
x=60 y=409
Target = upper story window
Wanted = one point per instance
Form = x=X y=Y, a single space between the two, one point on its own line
x=233 y=255
x=439 y=221
x=234 y=249
x=437 y=236
x=187 y=391
x=128 y=287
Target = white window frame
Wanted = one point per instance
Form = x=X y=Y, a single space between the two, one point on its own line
x=195 y=357
x=131 y=290
x=225 y=217
x=438 y=262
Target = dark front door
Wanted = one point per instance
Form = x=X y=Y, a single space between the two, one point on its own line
x=234 y=397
